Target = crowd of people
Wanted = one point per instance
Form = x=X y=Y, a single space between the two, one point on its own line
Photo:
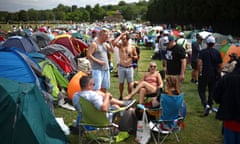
x=206 y=64
x=215 y=82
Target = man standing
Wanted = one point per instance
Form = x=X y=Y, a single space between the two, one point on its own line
x=98 y=56
x=127 y=53
x=196 y=48
x=208 y=65
x=175 y=58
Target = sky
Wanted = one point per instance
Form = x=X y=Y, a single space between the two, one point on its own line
x=16 y=5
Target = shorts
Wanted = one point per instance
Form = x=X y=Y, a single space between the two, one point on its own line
x=125 y=73
x=101 y=79
x=194 y=65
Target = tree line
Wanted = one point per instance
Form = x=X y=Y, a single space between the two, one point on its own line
x=222 y=15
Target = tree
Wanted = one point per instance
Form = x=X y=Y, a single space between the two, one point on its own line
x=23 y=15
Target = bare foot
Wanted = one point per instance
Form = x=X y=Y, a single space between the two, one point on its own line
x=127 y=97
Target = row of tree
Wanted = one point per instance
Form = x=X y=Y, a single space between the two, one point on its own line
x=217 y=13
x=75 y=14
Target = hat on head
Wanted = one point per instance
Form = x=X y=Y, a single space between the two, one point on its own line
x=167 y=39
x=211 y=39
x=181 y=34
x=165 y=32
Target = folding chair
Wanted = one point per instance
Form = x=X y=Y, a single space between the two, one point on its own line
x=171 y=120
x=94 y=123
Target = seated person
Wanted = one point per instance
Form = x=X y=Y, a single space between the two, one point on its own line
x=102 y=101
x=172 y=88
x=230 y=65
x=150 y=83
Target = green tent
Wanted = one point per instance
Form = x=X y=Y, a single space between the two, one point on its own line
x=25 y=117
x=57 y=80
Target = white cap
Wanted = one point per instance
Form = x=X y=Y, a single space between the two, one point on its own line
x=211 y=39
x=181 y=34
x=165 y=32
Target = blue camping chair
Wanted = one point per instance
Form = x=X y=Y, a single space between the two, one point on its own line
x=171 y=120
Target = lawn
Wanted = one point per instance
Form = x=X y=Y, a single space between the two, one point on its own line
x=198 y=129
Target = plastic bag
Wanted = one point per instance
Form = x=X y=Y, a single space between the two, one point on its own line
x=143 y=130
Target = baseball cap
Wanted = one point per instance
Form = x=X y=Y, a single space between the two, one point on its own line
x=181 y=34
x=211 y=39
x=167 y=39
x=165 y=32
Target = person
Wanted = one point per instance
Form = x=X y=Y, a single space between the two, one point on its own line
x=150 y=83
x=208 y=65
x=98 y=56
x=93 y=37
x=230 y=65
x=127 y=53
x=226 y=94
x=181 y=40
x=196 y=48
x=172 y=88
x=102 y=101
x=163 y=47
x=175 y=59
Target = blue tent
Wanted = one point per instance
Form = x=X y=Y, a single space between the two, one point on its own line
x=26 y=44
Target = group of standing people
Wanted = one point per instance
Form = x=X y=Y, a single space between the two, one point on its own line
x=205 y=62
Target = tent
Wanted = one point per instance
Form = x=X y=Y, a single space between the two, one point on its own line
x=14 y=67
x=234 y=48
x=25 y=117
x=60 y=56
x=52 y=48
x=17 y=65
x=42 y=39
x=57 y=80
x=66 y=40
x=26 y=44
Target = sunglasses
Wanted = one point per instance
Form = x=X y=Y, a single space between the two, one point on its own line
x=153 y=66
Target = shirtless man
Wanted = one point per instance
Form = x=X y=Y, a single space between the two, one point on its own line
x=127 y=53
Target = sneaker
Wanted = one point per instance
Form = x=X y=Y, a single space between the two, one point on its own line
x=196 y=82
x=192 y=81
x=128 y=103
x=206 y=110
x=62 y=103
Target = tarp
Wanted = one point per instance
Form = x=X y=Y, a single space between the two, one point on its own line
x=25 y=117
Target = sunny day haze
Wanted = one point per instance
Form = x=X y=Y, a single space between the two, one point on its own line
x=14 y=6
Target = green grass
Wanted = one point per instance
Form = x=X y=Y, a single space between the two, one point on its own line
x=198 y=129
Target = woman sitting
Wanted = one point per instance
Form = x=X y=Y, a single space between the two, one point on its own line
x=150 y=83
x=172 y=88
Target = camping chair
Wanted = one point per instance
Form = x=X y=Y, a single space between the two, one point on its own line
x=94 y=122
x=171 y=120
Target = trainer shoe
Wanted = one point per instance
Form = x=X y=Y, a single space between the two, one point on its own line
x=206 y=110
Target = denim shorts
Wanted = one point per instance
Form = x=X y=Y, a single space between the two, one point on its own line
x=101 y=79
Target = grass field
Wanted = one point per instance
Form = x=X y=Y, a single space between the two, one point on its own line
x=198 y=129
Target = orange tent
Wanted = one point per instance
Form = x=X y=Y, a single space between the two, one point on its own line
x=234 y=48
